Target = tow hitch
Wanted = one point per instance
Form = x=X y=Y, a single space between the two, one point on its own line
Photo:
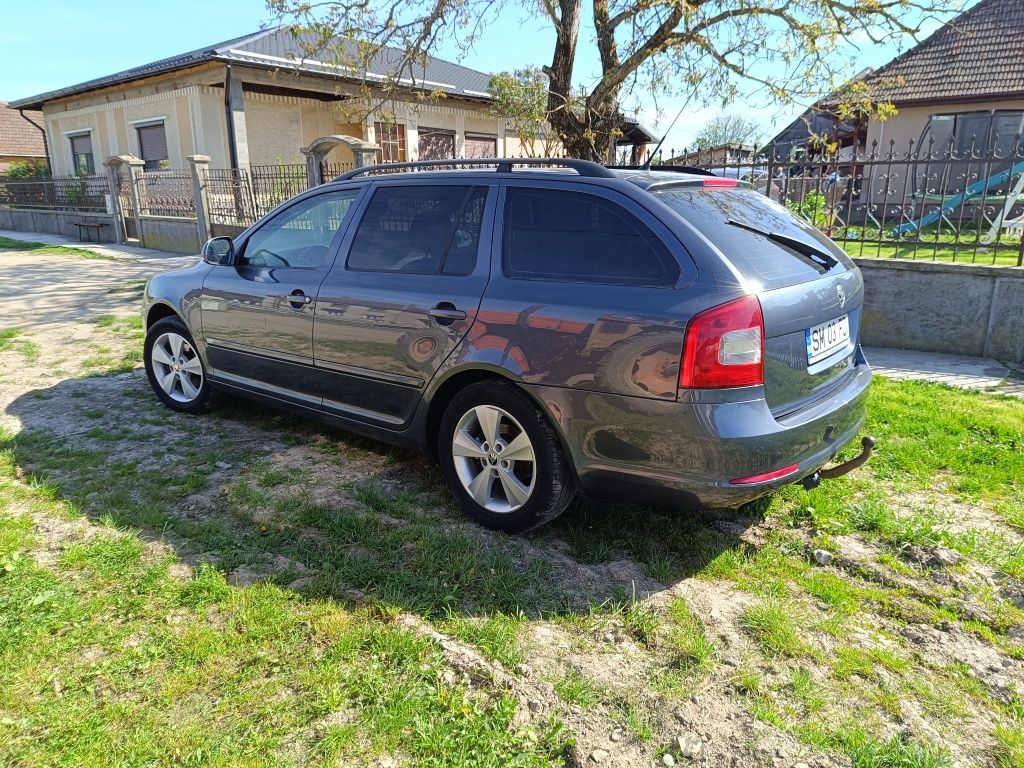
x=813 y=481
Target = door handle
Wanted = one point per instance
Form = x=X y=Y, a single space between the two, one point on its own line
x=296 y=297
x=446 y=313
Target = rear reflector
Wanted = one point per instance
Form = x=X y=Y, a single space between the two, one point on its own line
x=764 y=478
x=724 y=347
x=718 y=181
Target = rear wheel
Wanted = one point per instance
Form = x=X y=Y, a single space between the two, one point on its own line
x=501 y=458
x=174 y=367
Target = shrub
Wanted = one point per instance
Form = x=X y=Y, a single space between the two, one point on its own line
x=28 y=169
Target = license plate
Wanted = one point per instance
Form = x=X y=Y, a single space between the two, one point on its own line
x=824 y=339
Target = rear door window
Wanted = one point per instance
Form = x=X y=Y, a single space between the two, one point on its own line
x=567 y=236
x=774 y=265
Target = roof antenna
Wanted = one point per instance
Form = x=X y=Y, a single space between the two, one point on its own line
x=650 y=158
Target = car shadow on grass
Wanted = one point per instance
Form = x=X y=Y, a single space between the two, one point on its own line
x=263 y=495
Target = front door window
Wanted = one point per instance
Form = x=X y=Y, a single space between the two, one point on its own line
x=300 y=236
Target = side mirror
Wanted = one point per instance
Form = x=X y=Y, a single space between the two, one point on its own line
x=219 y=251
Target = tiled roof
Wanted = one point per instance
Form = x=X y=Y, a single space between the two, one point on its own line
x=279 y=48
x=18 y=136
x=975 y=56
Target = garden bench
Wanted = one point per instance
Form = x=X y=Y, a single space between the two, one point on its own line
x=85 y=226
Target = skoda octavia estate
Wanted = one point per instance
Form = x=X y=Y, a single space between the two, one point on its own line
x=540 y=326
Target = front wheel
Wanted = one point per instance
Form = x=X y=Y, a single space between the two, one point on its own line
x=501 y=458
x=174 y=368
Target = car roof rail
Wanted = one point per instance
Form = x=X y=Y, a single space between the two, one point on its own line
x=673 y=168
x=504 y=165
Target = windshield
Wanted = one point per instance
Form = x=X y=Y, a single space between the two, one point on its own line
x=716 y=213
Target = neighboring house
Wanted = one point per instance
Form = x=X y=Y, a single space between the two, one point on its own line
x=798 y=139
x=254 y=100
x=21 y=137
x=965 y=82
x=723 y=154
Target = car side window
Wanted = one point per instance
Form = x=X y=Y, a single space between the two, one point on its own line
x=301 y=235
x=553 y=234
x=420 y=229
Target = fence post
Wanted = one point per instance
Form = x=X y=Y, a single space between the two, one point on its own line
x=135 y=166
x=314 y=174
x=113 y=165
x=199 y=165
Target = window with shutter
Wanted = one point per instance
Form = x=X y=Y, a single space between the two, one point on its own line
x=153 y=146
x=81 y=155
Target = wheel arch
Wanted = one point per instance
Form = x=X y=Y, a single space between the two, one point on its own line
x=459 y=380
x=158 y=311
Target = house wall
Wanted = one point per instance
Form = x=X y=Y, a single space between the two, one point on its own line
x=191 y=105
x=909 y=121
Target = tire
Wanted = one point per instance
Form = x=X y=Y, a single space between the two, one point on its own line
x=189 y=389
x=544 y=487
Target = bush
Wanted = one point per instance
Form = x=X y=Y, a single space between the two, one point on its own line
x=28 y=169
x=812 y=208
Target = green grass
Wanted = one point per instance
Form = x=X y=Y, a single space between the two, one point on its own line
x=576 y=689
x=105 y=658
x=772 y=626
x=112 y=653
x=931 y=244
x=27 y=348
x=10 y=244
x=497 y=636
x=693 y=650
x=7 y=337
x=868 y=752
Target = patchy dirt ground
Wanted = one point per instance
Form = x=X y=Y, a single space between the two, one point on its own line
x=655 y=638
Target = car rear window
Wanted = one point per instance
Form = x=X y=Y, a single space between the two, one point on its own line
x=710 y=209
x=582 y=238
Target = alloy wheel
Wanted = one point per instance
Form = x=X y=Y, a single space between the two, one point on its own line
x=177 y=367
x=494 y=459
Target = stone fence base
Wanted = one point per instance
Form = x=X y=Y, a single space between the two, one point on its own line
x=961 y=309
x=59 y=222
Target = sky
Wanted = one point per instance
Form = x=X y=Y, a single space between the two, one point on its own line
x=84 y=40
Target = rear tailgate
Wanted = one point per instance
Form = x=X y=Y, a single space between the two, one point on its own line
x=811 y=293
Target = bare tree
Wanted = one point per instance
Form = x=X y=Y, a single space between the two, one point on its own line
x=706 y=50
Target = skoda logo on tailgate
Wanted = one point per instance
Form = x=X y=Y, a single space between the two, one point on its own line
x=842 y=296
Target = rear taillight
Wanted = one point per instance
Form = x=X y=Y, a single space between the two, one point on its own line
x=718 y=181
x=724 y=347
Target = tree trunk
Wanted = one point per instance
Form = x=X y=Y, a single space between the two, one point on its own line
x=586 y=129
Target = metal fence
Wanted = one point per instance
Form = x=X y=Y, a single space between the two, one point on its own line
x=941 y=203
x=59 y=193
x=273 y=184
x=230 y=201
x=331 y=171
x=168 y=193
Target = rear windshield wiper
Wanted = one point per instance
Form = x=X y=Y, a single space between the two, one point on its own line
x=812 y=252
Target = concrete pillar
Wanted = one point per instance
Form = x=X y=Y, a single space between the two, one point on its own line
x=130 y=167
x=114 y=192
x=314 y=173
x=237 y=102
x=199 y=164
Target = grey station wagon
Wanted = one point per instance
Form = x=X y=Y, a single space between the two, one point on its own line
x=540 y=326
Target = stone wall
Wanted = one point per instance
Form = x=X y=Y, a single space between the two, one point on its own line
x=962 y=309
x=168 y=233
x=59 y=223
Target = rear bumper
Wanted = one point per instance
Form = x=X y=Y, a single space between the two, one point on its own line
x=684 y=453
